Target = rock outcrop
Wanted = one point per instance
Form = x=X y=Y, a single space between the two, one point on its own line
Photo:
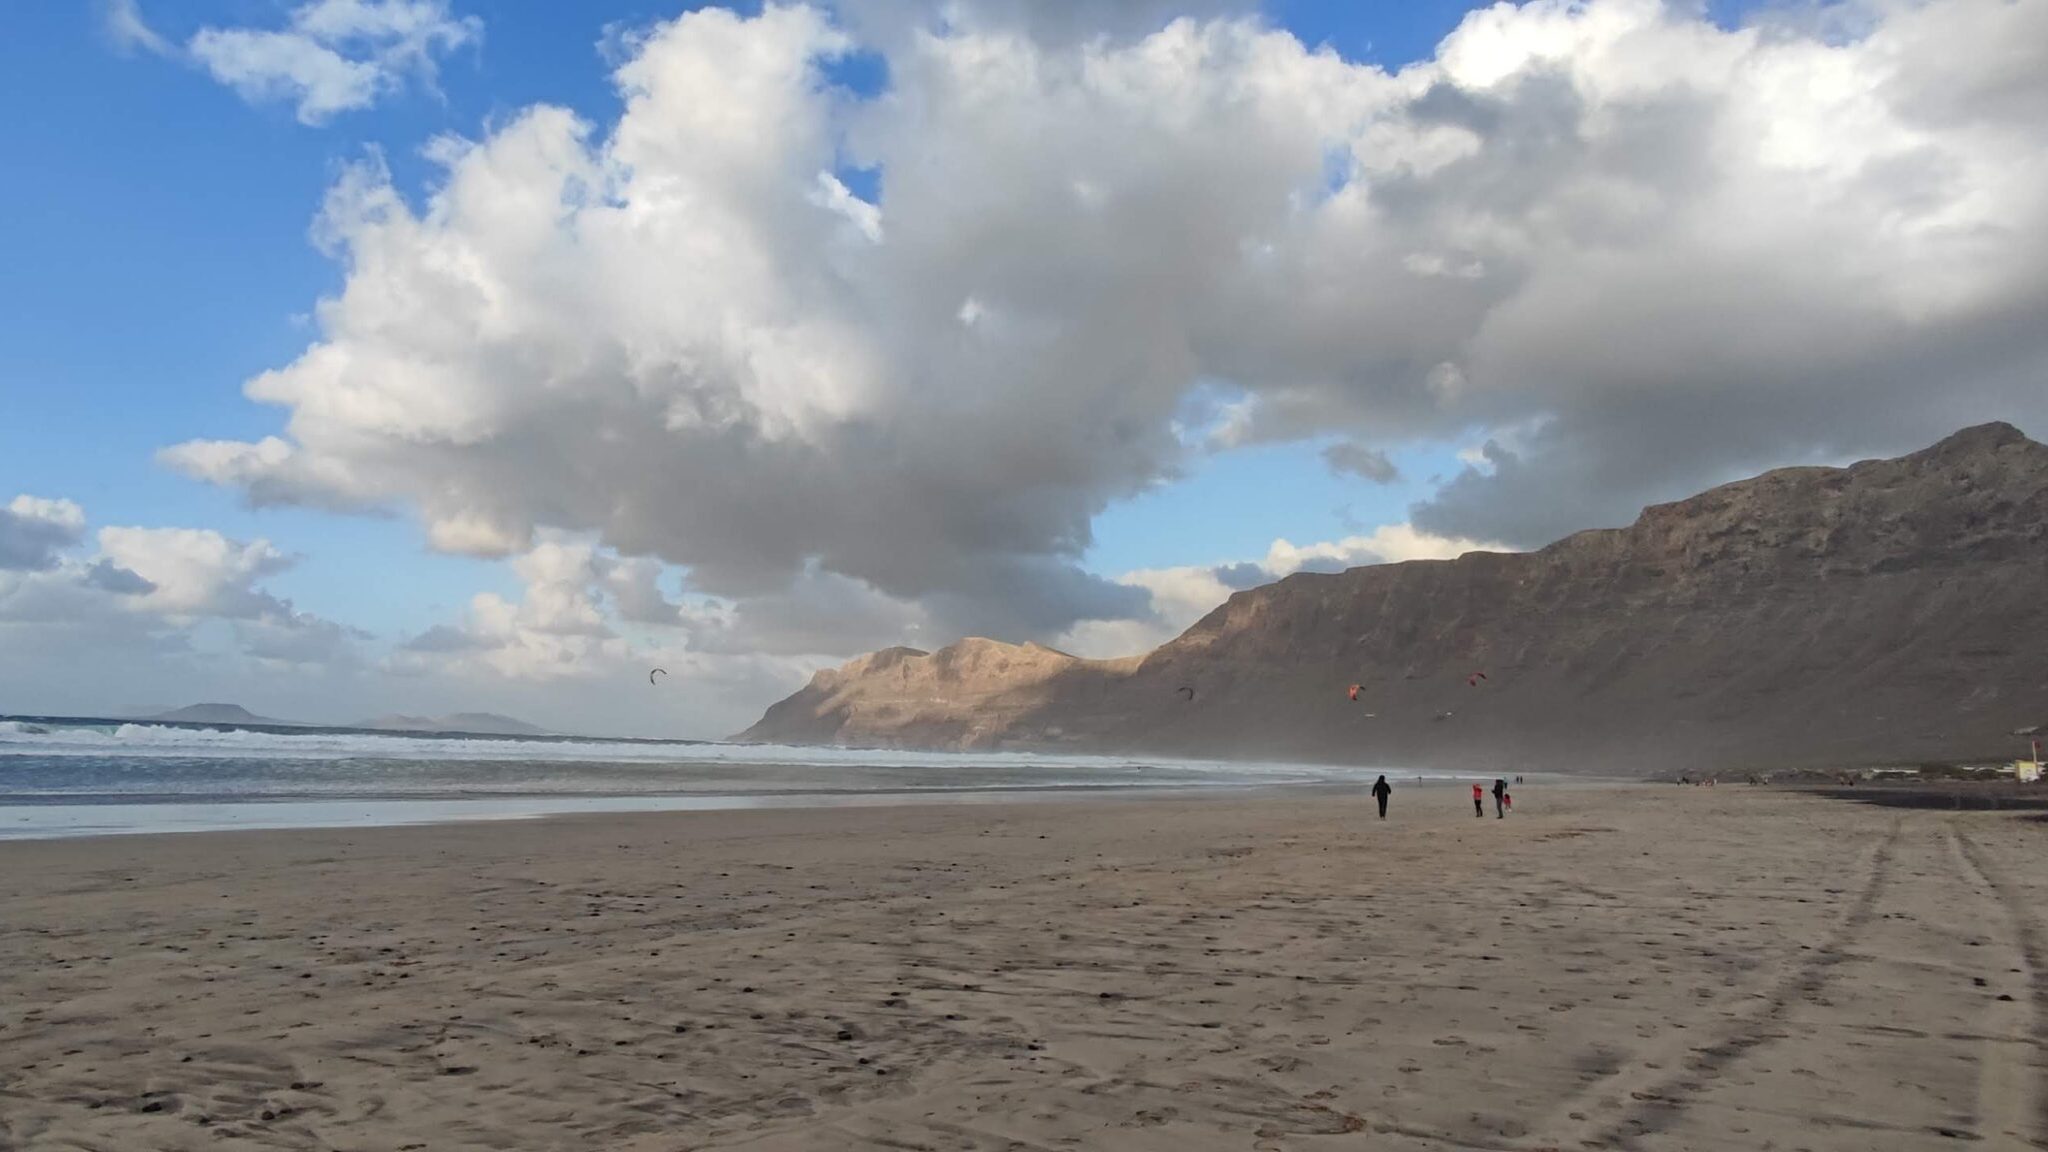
x=1888 y=611
x=976 y=693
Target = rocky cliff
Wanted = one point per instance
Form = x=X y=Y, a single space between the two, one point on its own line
x=976 y=693
x=1888 y=611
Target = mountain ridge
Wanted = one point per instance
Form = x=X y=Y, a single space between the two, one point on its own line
x=1805 y=615
x=214 y=713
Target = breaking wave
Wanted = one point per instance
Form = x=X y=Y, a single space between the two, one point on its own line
x=114 y=739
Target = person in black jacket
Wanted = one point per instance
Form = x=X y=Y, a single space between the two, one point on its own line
x=1500 y=789
x=1380 y=791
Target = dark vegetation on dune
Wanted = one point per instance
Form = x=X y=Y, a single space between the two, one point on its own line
x=1954 y=794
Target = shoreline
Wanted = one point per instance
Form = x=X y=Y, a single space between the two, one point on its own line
x=57 y=819
x=177 y=818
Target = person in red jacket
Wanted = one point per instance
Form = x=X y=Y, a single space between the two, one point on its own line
x=1478 y=800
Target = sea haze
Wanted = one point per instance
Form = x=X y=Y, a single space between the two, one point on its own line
x=85 y=776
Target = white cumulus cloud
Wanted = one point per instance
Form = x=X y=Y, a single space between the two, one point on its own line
x=1182 y=595
x=586 y=630
x=1633 y=251
x=126 y=27
x=331 y=56
x=173 y=602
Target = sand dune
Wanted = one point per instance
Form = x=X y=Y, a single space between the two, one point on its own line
x=1632 y=968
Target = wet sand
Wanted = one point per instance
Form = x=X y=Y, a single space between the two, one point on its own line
x=1648 y=967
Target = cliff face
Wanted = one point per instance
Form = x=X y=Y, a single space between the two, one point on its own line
x=1890 y=610
x=976 y=693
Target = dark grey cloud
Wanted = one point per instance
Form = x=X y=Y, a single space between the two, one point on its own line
x=1351 y=458
x=108 y=576
x=300 y=639
x=35 y=533
x=820 y=612
x=1242 y=575
x=442 y=638
x=1050 y=22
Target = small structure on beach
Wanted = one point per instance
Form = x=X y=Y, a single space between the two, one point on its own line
x=2029 y=771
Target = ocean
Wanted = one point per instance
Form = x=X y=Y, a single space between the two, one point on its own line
x=73 y=776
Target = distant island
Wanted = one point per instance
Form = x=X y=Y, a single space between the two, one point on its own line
x=219 y=714
x=470 y=723
x=480 y=723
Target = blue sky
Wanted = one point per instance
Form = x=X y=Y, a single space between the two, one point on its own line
x=159 y=256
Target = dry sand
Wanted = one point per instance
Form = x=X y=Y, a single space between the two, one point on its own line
x=1654 y=968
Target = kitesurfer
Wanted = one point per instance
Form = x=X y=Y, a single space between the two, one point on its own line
x=1380 y=791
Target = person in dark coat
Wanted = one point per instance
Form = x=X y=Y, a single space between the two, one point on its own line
x=1500 y=791
x=1380 y=791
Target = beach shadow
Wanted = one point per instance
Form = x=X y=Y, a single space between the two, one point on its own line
x=1991 y=798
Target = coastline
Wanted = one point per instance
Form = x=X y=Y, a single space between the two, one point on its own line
x=1659 y=966
x=90 y=789
x=89 y=821
x=115 y=817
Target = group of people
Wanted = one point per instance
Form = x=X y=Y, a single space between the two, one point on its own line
x=1503 y=803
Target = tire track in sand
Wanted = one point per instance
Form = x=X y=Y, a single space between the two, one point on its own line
x=2012 y=1109
x=1647 y=1100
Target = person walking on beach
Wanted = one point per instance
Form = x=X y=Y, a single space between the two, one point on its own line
x=1380 y=791
x=1500 y=806
x=1478 y=799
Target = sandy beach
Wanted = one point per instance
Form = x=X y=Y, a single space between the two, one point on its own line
x=1627 y=967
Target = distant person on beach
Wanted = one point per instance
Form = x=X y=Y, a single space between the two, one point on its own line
x=1500 y=803
x=1478 y=799
x=1380 y=791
